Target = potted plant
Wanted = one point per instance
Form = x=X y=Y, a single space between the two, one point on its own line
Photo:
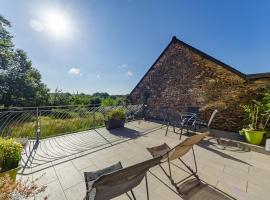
x=258 y=114
x=11 y=189
x=10 y=154
x=115 y=119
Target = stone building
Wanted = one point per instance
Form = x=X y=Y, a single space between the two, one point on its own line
x=183 y=76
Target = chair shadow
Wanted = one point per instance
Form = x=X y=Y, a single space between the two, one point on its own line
x=193 y=189
x=125 y=132
x=227 y=145
x=206 y=144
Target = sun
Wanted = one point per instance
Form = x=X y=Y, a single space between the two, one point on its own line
x=57 y=23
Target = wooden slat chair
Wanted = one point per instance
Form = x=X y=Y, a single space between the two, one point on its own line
x=177 y=152
x=114 y=181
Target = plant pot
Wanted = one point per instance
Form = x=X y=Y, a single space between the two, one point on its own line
x=114 y=123
x=254 y=137
x=8 y=166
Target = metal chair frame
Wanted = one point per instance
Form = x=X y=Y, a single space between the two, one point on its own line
x=116 y=173
x=167 y=154
x=87 y=181
x=183 y=120
x=169 y=175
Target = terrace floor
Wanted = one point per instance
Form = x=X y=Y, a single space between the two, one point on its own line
x=61 y=161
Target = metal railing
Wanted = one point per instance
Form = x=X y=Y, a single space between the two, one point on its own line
x=48 y=121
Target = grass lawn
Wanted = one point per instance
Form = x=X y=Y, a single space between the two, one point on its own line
x=51 y=126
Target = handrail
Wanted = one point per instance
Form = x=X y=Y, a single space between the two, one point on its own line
x=46 y=121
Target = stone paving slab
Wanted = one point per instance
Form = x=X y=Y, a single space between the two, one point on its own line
x=242 y=175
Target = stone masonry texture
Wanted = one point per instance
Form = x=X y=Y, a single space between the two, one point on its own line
x=182 y=78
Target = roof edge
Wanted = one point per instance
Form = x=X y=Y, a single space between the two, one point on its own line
x=258 y=75
x=210 y=57
x=152 y=66
x=207 y=56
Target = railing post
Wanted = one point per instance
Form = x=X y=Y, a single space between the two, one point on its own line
x=94 y=117
x=37 y=125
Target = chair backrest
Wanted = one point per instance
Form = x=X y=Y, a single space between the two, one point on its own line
x=193 y=110
x=163 y=112
x=174 y=117
x=212 y=117
x=184 y=147
x=119 y=182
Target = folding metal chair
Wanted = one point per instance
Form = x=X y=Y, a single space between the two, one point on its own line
x=188 y=120
x=163 y=116
x=90 y=177
x=194 y=110
x=174 y=119
x=177 y=152
x=115 y=180
x=207 y=124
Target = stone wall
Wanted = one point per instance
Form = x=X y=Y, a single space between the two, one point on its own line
x=182 y=77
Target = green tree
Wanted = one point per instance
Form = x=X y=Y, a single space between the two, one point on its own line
x=96 y=101
x=108 y=102
x=20 y=83
x=59 y=98
x=101 y=94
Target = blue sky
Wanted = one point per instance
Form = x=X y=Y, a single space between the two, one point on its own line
x=108 y=45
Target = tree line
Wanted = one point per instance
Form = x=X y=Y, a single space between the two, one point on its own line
x=21 y=85
x=97 y=99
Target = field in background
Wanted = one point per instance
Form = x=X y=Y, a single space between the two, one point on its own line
x=51 y=126
x=51 y=121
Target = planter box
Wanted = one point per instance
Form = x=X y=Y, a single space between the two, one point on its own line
x=114 y=123
x=10 y=167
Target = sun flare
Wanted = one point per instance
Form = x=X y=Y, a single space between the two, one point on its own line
x=57 y=23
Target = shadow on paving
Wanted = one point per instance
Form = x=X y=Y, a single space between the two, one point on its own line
x=126 y=132
x=207 y=144
x=210 y=144
x=194 y=190
x=60 y=149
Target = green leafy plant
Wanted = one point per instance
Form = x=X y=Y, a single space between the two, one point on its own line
x=10 y=153
x=116 y=114
x=258 y=113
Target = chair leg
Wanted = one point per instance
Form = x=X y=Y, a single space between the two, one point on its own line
x=170 y=169
x=187 y=131
x=195 y=162
x=147 y=189
x=194 y=173
x=167 y=130
x=132 y=193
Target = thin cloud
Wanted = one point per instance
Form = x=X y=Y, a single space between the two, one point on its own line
x=129 y=73
x=36 y=25
x=74 y=71
x=123 y=66
x=98 y=76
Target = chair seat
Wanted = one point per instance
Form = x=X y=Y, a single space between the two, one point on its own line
x=160 y=150
x=90 y=177
x=201 y=123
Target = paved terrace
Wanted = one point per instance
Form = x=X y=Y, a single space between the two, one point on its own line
x=61 y=161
